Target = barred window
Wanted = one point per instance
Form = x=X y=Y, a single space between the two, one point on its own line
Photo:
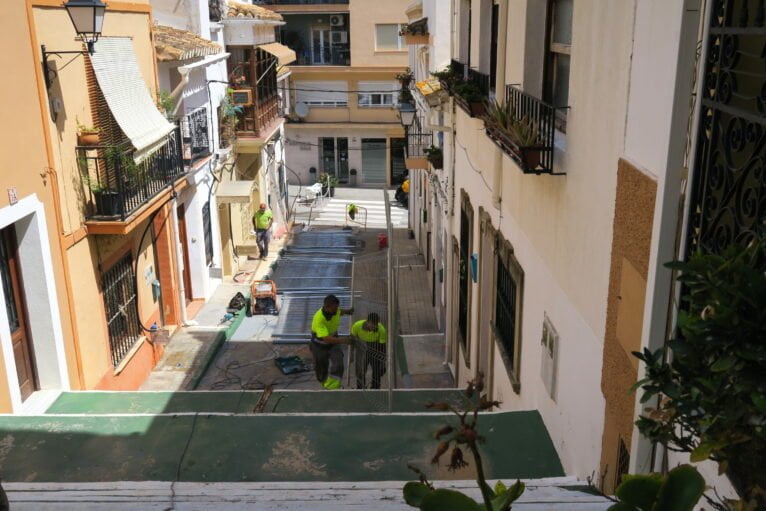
x=508 y=296
x=207 y=229
x=120 y=303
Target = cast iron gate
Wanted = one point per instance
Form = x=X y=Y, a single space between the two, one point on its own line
x=728 y=199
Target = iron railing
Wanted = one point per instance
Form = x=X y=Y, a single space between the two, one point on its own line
x=480 y=79
x=417 y=143
x=121 y=307
x=119 y=185
x=196 y=138
x=326 y=56
x=535 y=157
x=458 y=68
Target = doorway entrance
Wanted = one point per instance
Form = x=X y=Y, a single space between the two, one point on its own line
x=398 y=170
x=185 y=249
x=334 y=157
x=320 y=45
x=16 y=310
x=374 y=161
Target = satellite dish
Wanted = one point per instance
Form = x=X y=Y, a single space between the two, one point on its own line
x=302 y=109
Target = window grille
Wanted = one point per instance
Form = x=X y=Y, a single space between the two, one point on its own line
x=623 y=463
x=120 y=303
x=505 y=309
x=466 y=219
x=207 y=229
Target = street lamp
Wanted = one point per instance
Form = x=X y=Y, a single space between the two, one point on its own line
x=87 y=16
x=407 y=113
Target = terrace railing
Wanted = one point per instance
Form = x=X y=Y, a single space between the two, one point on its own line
x=196 y=137
x=118 y=185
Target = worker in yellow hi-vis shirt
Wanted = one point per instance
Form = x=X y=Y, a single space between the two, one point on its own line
x=370 y=335
x=326 y=345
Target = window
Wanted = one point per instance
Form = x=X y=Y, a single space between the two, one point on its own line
x=118 y=288
x=556 y=86
x=623 y=462
x=207 y=229
x=387 y=37
x=507 y=322
x=464 y=282
x=377 y=97
x=322 y=93
x=549 y=357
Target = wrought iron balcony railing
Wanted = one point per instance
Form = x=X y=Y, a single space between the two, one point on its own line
x=196 y=137
x=118 y=186
x=531 y=141
x=416 y=154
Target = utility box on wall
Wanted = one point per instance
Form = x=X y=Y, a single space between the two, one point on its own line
x=475 y=267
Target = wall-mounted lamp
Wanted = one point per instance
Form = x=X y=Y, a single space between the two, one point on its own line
x=407 y=113
x=87 y=17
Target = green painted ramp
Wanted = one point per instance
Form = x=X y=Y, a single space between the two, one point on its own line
x=206 y=447
x=340 y=401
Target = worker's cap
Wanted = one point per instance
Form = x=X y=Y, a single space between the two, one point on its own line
x=263 y=205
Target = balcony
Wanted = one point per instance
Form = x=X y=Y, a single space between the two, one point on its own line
x=417 y=154
x=471 y=93
x=325 y=45
x=195 y=136
x=254 y=93
x=117 y=186
x=529 y=140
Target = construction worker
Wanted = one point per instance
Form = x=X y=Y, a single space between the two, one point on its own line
x=262 y=220
x=326 y=345
x=403 y=193
x=370 y=336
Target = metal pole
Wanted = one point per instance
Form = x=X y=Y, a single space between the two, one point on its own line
x=351 y=346
x=390 y=306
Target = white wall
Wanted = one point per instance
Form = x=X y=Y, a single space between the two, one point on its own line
x=28 y=219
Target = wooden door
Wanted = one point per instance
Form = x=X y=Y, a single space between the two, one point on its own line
x=17 y=313
x=185 y=251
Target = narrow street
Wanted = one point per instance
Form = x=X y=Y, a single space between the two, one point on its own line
x=239 y=353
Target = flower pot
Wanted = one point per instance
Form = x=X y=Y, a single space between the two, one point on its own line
x=324 y=189
x=531 y=158
x=332 y=191
x=107 y=203
x=436 y=161
x=416 y=38
x=352 y=213
x=88 y=139
x=477 y=109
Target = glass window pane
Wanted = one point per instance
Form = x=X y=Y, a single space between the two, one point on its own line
x=562 y=21
x=561 y=80
x=387 y=37
x=364 y=99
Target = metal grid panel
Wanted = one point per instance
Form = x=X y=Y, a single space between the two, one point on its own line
x=121 y=308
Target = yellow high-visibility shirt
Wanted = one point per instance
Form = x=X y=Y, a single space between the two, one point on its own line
x=406 y=186
x=321 y=327
x=262 y=219
x=358 y=331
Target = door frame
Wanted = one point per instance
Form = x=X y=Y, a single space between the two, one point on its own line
x=21 y=337
x=183 y=236
x=323 y=44
x=28 y=218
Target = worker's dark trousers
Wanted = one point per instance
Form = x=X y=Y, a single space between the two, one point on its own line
x=262 y=239
x=327 y=357
x=369 y=354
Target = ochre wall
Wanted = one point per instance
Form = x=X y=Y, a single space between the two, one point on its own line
x=365 y=14
x=631 y=243
x=22 y=140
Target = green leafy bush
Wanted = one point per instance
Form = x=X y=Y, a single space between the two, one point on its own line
x=678 y=490
x=709 y=398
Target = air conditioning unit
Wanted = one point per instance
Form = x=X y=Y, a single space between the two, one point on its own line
x=339 y=37
x=242 y=97
x=337 y=20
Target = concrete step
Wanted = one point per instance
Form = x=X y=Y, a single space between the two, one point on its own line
x=244 y=402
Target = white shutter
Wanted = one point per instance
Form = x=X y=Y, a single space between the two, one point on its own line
x=329 y=93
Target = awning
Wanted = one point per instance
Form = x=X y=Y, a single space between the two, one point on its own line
x=432 y=91
x=229 y=192
x=119 y=78
x=283 y=54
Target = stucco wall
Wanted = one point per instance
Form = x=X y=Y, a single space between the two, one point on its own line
x=365 y=14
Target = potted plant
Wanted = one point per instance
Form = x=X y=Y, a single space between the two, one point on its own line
x=498 y=120
x=471 y=98
x=107 y=201
x=231 y=115
x=87 y=135
x=405 y=78
x=414 y=36
x=352 y=209
x=435 y=156
x=165 y=103
x=447 y=78
x=333 y=182
x=525 y=134
x=324 y=180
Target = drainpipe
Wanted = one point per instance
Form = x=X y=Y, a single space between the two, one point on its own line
x=447 y=254
x=502 y=36
x=179 y=261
